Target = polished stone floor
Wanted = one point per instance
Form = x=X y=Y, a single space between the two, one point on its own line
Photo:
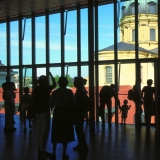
x=117 y=143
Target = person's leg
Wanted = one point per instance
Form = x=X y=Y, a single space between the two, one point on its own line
x=102 y=108
x=24 y=120
x=30 y=124
x=45 y=127
x=6 y=117
x=138 y=114
x=65 y=156
x=80 y=135
x=64 y=148
x=109 y=106
x=54 y=148
x=121 y=120
x=38 y=131
x=124 y=120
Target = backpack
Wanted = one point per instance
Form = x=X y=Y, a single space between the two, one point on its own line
x=131 y=95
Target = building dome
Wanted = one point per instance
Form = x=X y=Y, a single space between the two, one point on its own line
x=144 y=7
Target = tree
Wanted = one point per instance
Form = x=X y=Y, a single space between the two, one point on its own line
x=70 y=80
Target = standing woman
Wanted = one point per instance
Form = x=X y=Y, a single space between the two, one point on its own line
x=63 y=102
x=148 y=98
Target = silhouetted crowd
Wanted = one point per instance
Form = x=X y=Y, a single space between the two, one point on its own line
x=69 y=110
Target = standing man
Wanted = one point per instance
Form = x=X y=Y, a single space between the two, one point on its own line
x=106 y=94
x=41 y=98
x=138 y=102
x=8 y=85
x=148 y=95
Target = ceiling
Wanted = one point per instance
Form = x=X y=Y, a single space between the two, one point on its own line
x=13 y=8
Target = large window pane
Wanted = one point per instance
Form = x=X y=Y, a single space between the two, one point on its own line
x=126 y=82
x=27 y=77
x=147 y=72
x=56 y=72
x=55 y=45
x=14 y=43
x=27 y=42
x=3 y=45
x=148 y=29
x=106 y=32
x=15 y=78
x=84 y=34
x=41 y=71
x=40 y=40
x=103 y=72
x=126 y=30
x=71 y=37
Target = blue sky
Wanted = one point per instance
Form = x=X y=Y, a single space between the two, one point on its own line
x=106 y=38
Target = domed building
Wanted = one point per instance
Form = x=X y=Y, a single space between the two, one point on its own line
x=148 y=43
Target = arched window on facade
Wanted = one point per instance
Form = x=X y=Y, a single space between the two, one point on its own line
x=132 y=9
x=152 y=9
x=109 y=73
x=152 y=34
x=133 y=35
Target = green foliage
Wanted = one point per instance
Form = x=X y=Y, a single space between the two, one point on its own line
x=70 y=80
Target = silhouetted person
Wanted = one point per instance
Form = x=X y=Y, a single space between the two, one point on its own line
x=26 y=100
x=63 y=102
x=106 y=94
x=41 y=97
x=124 y=111
x=148 y=98
x=5 y=87
x=82 y=100
x=138 y=102
x=8 y=106
x=87 y=107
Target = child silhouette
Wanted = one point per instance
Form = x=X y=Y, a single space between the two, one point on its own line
x=124 y=111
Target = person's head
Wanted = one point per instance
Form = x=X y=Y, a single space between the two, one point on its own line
x=78 y=82
x=62 y=82
x=113 y=86
x=7 y=78
x=125 y=101
x=149 y=82
x=43 y=80
x=26 y=90
x=84 y=81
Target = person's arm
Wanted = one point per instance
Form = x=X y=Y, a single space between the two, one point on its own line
x=53 y=81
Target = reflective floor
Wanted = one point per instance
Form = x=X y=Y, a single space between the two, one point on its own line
x=117 y=143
